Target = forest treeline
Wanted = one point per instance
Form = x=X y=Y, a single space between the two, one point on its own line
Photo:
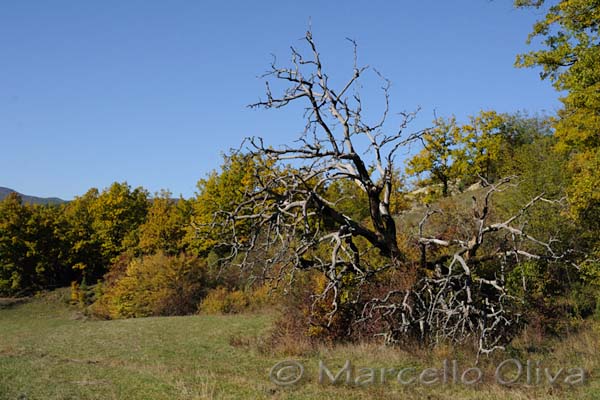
x=155 y=255
x=48 y=246
x=129 y=253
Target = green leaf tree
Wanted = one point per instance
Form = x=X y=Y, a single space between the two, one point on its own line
x=221 y=192
x=442 y=158
x=165 y=226
x=570 y=59
x=15 y=271
x=86 y=247
x=118 y=212
x=482 y=139
x=34 y=250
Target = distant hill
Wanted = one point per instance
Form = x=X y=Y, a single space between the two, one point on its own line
x=30 y=199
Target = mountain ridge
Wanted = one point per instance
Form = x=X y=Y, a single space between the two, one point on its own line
x=4 y=192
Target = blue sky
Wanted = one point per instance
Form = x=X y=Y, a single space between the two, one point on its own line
x=152 y=92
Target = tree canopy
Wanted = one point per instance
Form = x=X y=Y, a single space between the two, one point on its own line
x=570 y=59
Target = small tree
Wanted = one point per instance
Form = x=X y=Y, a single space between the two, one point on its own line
x=482 y=139
x=164 y=229
x=219 y=193
x=441 y=158
x=118 y=211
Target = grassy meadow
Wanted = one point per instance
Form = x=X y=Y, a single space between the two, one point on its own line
x=50 y=350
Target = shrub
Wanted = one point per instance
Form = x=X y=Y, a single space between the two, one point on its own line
x=154 y=285
x=74 y=292
x=552 y=301
x=302 y=319
x=223 y=301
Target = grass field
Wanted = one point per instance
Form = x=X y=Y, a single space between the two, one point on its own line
x=49 y=350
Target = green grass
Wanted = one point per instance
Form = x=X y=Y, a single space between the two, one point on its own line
x=48 y=350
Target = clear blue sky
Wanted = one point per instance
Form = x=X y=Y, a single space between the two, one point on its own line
x=152 y=92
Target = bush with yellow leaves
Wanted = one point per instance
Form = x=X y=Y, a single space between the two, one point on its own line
x=154 y=285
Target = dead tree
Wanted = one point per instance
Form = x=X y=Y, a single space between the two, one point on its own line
x=458 y=300
x=287 y=208
x=287 y=224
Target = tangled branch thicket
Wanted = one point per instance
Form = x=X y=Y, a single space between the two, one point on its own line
x=288 y=224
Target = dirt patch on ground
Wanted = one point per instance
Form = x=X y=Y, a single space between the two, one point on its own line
x=6 y=302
